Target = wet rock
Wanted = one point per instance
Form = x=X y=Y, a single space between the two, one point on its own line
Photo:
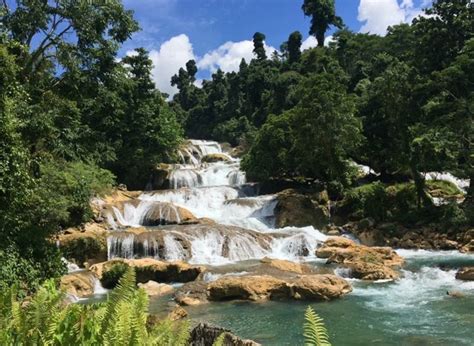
x=162 y=213
x=294 y=209
x=153 y=288
x=79 y=284
x=466 y=274
x=285 y=266
x=160 y=176
x=468 y=247
x=192 y=293
x=177 y=313
x=264 y=287
x=248 y=288
x=319 y=287
x=148 y=269
x=455 y=294
x=366 y=263
x=205 y=335
x=218 y=157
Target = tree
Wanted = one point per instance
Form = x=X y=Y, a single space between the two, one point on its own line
x=323 y=15
x=259 y=46
x=294 y=47
x=314 y=139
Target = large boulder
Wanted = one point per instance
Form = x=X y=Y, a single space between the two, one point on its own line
x=152 y=213
x=319 y=287
x=162 y=213
x=294 y=209
x=150 y=269
x=79 y=284
x=466 y=274
x=366 y=263
x=153 y=288
x=248 y=288
x=264 y=287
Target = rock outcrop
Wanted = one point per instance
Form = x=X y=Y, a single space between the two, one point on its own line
x=87 y=243
x=366 y=263
x=466 y=274
x=148 y=269
x=264 y=287
x=294 y=209
x=217 y=157
x=204 y=335
x=177 y=313
x=79 y=284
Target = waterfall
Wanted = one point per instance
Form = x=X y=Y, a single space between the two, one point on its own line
x=242 y=227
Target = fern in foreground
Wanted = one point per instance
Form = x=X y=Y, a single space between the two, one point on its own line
x=315 y=332
x=45 y=319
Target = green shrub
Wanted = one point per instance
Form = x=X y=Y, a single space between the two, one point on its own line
x=111 y=277
x=28 y=268
x=369 y=200
x=69 y=186
x=442 y=188
x=82 y=249
x=121 y=320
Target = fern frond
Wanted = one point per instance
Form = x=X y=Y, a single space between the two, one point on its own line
x=219 y=340
x=315 y=331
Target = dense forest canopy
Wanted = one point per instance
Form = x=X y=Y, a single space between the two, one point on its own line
x=75 y=119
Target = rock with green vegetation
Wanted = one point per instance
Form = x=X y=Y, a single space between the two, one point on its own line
x=111 y=277
x=217 y=157
x=295 y=209
x=150 y=269
x=366 y=263
x=87 y=244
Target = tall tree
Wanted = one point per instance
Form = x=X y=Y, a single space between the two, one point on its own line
x=259 y=46
x=323 y=15
x=294 y=47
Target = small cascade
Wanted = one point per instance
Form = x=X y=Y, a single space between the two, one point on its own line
x=461 y=184
x=193 y=172
x=146 y=213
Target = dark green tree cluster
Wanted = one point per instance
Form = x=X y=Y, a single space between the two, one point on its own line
x=74 y=120
x=401 y=104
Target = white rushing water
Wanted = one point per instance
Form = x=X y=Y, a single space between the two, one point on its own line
x=245 y=222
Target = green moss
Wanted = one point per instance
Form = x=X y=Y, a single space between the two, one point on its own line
x=112 y=276
x=82 y=249
x=442 y=188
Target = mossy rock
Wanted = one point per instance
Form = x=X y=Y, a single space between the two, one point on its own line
x=209 y=158
x=82 y=249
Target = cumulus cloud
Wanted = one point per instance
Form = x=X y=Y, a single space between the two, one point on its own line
x=378 y=15
x=172 y=55
x=311 y=42
x=228 y=56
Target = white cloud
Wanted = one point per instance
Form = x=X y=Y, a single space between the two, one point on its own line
x=173 y=54
x=311 y=42
x=378 y=15
x=228 y=56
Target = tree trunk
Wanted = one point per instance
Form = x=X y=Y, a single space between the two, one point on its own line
x=320 y=38
x=421 y=197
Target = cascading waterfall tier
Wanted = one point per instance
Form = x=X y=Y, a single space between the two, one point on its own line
x=193 y=172
x=225 y=220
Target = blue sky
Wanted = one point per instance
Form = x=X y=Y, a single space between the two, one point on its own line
x=218 y=33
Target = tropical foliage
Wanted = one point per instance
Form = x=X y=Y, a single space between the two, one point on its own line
x=315 y=332
x=47 y=319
